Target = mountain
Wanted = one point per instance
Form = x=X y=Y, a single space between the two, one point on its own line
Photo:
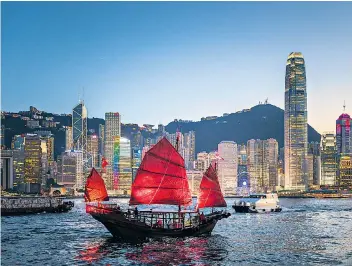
x=260 y=122
x=263 y=121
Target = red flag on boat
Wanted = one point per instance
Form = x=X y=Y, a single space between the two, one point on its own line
x=95 y=188
x=161 y=178
x=210 y=194
x=104 y=163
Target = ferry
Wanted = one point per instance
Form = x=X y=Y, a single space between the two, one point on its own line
x=258 y=203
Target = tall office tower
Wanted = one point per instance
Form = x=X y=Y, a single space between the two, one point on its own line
x=271 y=158
x=296 y=136
x=112 y=133
x=33 y=162
x=310 y=169
x=202 y=162
x=79 y=130
x=314 y=150
x=262 y=164
x=190 y=148
x=70 y=169
x=92 y=150
x=257 y=169
x=69 y=138
x=101 y=142
x=136 y=160
x=328 y=159
x=227 y=167
x=344 y=134
x=242 y=154
x=345 y=171
x=44 y=160
x=125 y=167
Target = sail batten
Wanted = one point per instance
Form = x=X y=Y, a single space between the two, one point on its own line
x=161 y=178
x=95 y=189
x=210 y=194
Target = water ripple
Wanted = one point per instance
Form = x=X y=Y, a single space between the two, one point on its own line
x=306 y=232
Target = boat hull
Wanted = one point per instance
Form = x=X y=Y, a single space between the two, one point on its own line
x=121 y=227
x=247 y=209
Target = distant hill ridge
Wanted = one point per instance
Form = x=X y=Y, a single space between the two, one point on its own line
x=262 y=121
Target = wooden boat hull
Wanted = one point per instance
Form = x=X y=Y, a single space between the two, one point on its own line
x=121 y=227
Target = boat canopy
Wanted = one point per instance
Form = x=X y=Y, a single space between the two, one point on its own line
x=161 y=178
x=95 y=189
x=210 y=194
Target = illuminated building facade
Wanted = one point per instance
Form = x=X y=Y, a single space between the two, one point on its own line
x=328 y=159
x=93 y=150
x=295 y=118
x=345 y=170
x=227 y=167
x=79 y=130
x=194 y=179
x=101 y=140
x=262 y=164
x=70 y=169
x=189 y=146
x=344 y=134
x=202 y=162
x=33 y=159
x=125 y=167
x=112 y=132
x=68 y=138
x=314 y=150
x=136 y=160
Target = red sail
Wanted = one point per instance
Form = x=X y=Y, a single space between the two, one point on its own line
x=95 y=188
x=161 y=178
x=210 y=194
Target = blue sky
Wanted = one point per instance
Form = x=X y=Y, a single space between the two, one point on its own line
x=154 y=62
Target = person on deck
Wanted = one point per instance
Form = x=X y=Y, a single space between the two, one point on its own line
x=135 y=212
x=202 y=218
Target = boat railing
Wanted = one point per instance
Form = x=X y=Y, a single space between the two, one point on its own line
x=164 y=220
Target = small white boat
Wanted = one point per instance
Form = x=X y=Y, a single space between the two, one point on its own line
x=258 y=203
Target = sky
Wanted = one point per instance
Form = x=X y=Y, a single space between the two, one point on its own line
x=156 y=61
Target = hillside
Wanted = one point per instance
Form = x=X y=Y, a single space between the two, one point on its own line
x=261 y=122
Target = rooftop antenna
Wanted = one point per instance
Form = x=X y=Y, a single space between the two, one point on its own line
x=344 y=106
x=79 y=98
x=83 y=95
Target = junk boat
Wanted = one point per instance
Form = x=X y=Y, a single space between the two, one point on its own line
x=161 y=179
x=258 y=203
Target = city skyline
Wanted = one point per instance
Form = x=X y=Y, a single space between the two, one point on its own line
x=200 y=61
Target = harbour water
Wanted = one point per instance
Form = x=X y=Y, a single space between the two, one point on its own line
x=306 y=232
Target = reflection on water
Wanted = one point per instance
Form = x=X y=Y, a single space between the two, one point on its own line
x=308 y=231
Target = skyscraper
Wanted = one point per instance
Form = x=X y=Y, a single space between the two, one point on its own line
x=262 y=164
x=296 y=136
x=328 y=159
x=190 y=148
x=69 y=138
x=33 y=161
x=228 y=167
x=125 y=167
x=92 y=150
x=70 y=169
x=344 y=134
x=112 y=132
x=79 y=130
